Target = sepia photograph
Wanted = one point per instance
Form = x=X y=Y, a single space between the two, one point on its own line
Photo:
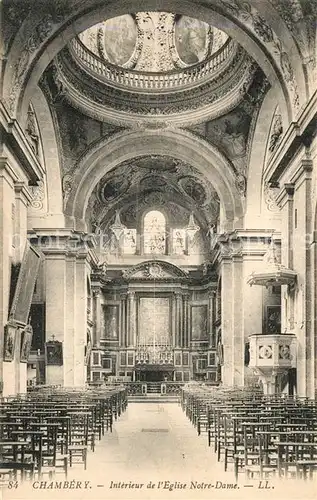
x=158 y=249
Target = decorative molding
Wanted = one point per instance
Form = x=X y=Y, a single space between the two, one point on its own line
x=270 y=197
x=154 y=270
x=137 y=109
x=38 y=196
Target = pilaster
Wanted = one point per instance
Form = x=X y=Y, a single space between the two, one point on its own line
x=123 y=307
x=178 y=325
x=9 y=371
x=131 y=319
x=97 y=315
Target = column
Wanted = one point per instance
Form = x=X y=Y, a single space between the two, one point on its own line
x=211 y=300
x=131 y=319
x=7 y=210
x=55 y=279
x=97 y=316
x=80 y=337
x=173 y=322
x=178 y=326
x=70 y=308
x=22 y=200
x=123 y=332
x=237 y=344
x=226 y=320
x=186 y=321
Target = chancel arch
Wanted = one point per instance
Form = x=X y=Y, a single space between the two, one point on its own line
x=157 y=188
x=128 y=145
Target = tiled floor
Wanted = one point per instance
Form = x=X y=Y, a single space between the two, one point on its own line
x=153 y=445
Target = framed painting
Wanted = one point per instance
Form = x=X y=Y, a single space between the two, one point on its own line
x=26 y=343
x=54 y=353
x=9 y=341
x=199 y=315
x=111 y=321
x=24 y=285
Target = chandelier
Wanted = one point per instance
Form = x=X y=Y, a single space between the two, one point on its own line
x=117 y=227
x=192 y=227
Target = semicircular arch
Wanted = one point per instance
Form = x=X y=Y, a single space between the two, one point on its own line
x=247 y=30
x=179 y=144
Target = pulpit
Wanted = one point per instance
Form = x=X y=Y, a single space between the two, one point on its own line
x=271 y=356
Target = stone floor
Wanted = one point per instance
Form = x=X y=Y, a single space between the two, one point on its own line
x=154 y=452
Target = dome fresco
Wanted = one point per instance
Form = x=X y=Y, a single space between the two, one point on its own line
x=120 y=38
x=191 y=39
x=153 y=41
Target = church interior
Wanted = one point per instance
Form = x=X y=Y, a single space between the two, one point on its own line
x=158 y=239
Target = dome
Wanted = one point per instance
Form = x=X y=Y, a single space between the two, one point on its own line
x=153 y=41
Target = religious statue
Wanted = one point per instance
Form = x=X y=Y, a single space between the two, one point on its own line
x=26 y=343
x=9 y=342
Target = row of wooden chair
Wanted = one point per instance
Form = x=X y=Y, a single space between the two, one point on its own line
x=258 y=435
x=46 y=432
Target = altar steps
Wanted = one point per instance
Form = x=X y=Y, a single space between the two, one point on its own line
x=153 y=398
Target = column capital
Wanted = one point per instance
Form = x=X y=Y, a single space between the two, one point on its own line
x=96 y=291
x=130 y=295
x=286 y=194
x=289 y=189
x=21 y=188
x=7 y=171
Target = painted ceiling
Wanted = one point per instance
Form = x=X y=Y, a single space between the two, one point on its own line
x=153 y=41
x=154 y=181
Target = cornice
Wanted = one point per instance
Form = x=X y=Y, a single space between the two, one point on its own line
x=185 y=108
x=64 y=242
x=14 y=137
x=299 y=133
x=242 y=243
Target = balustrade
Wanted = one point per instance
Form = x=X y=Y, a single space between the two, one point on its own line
x=152 y=81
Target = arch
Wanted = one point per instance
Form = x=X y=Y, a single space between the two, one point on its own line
x=255 y=216
x=54 y=216
x=182 y=145
x=223 y=16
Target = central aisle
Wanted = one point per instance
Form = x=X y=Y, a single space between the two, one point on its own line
x=156 y=439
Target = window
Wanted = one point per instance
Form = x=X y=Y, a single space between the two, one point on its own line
x=129 y=241
x=179 y=241
x=154 y=233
